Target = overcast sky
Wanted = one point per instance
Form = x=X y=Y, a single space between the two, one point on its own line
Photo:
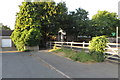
x=10 y=7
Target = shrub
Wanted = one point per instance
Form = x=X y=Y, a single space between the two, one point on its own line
x=98 y=44
x=97 y=56
x=26 y=38
x=97 y=47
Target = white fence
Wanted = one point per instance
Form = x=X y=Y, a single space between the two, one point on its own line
x=110 y=49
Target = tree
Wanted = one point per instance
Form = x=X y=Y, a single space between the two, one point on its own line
x=77 y=23
x=5 y=27
x=35 y=22
x=27 y=27
x=104 y=23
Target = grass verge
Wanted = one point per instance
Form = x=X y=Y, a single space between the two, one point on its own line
x=77 y=56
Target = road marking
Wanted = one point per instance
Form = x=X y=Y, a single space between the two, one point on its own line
x=54 y=68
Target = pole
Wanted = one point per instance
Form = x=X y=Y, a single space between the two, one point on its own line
x=117 y=37
x=58 y=36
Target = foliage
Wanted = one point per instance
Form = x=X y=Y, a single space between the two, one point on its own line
x=79 y=56
x=32 y=37
x=36 y=20
x=82 y=57
x=76 y=23
x=97 y=56
x=104 y=23
x=27 y=27
x=98 y=44
x=97 y=48
x=3 y=27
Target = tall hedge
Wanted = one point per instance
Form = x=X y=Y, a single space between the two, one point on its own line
x=27 y=27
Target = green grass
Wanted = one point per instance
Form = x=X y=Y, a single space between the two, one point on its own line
x=78 y=56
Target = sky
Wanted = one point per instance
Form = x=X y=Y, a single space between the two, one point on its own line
x=10 y=7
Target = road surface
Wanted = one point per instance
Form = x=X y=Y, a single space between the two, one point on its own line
x=46 y=65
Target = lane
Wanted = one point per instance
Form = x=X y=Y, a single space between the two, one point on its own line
x=80 y=70
x=25 y=65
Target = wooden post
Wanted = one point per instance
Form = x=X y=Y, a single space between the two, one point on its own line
x=117 y=37
x=55 y=45
x=50 y=45
x=83 y=45
x=46 y=44
x=71 y=45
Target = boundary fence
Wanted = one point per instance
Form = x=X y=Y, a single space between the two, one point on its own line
x=110 y=49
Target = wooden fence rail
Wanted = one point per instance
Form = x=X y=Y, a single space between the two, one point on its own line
x=110 y=49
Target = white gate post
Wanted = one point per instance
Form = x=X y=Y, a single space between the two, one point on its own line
x=83 y=45
x=71 y=45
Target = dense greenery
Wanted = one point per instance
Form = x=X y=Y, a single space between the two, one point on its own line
x=37 y=22
x=97 y=47
x=27 y=27
x=80 y=56
x=77 y=23
x=104 y=23
x=4 y=27
x=98 y=44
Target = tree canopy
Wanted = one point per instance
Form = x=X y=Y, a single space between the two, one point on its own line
x=4 y=27
x=37 y=21
x=104 y=23
x=27 y=27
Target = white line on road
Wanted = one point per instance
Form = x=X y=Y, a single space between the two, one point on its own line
x=55 y=68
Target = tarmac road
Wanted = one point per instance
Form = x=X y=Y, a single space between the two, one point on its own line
x=24 y=65
x=46 y=65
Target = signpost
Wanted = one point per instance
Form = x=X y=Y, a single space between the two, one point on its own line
x=62 y=35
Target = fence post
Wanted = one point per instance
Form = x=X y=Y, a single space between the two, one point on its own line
x=71 y=45
x=83 y=45
x=50 y=45
x=55 y=45
x=46 y=44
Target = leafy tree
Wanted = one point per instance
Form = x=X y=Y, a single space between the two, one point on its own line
x=104 y=23
x=27 y=27
x=77 y=23
x=3 y=27
x=36 y=20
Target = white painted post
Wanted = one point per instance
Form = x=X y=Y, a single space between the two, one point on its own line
x=117 y=37
x=71 y=44
x=83 y=45
x=58 y=37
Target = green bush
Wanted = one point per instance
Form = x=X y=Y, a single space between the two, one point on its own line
x=97 y=56
x=97 y=48
x=26 y=38
x=98 y=44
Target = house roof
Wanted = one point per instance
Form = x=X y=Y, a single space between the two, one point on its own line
x=5 y=32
